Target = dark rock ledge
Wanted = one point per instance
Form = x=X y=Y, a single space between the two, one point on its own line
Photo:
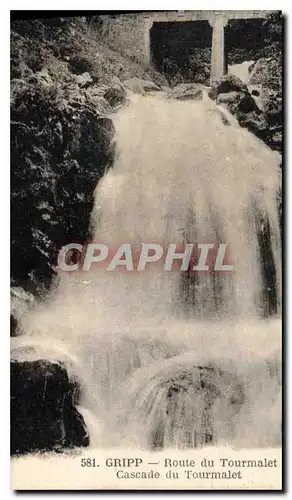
x=44 y=414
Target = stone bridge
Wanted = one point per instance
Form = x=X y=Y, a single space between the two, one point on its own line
x=133 y=34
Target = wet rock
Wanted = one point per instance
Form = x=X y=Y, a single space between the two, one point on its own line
x=256 y=124
x=225 y=117
x=242 y=103
x=246 y=109
x=116 y=96
x=185 y=92
x=228 y=83
x=13 y=326
x=276 y=140
x=140 y=86
x=207 y=385
x=21 y=302
x=150 y=86
x=251 y=66
x=44 y=415
x=238 y=102
x=226 y=98
x=191 y=95
x=190 y=407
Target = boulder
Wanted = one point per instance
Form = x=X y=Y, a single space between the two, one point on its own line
x=44 y=415
x=208 y=385
x=191 y=95
x=150 y=86
x=115 y=96
x=140 y=86
x=239 y=102
x=228 y=83
x=97 y=100
x=256 y=124
x=244 y=106
x=185 y=402
x=185 y=92
x=227 y=98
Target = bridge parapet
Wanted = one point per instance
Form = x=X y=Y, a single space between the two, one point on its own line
x=130 y=33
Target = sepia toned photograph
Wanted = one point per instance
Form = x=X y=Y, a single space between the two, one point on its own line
x=146 y=250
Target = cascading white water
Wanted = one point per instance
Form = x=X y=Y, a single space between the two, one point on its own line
x=158 y=369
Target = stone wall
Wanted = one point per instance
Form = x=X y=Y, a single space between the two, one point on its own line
x=129 y=34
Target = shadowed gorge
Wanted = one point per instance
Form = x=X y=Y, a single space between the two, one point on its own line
x=182 y=50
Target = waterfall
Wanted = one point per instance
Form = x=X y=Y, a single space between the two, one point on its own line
x=166 y=359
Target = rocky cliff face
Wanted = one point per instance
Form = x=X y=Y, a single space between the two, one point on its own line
x=60 y=149
x=60 y=146
x=64 y=86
